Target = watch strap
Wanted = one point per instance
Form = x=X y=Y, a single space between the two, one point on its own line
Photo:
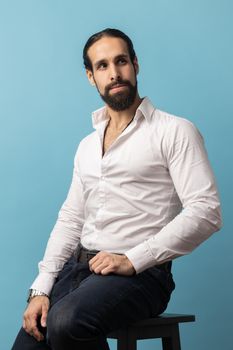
x=35 y=293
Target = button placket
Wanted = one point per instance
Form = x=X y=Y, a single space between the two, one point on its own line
x=102 y=195
x=122 y=136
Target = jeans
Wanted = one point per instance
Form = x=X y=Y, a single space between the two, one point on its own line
x=85 y=307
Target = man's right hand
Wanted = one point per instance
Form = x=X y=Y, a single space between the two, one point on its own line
x=37 y=310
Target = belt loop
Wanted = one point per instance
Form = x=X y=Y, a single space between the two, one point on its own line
x=77 y=251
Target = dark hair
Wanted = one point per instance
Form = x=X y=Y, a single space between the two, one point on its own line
x=106 y=32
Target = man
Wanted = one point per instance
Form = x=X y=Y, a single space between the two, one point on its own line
x=142 y=194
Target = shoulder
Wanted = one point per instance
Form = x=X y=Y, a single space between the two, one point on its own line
x=174 y=135
x=174 y=127
x=170 y=120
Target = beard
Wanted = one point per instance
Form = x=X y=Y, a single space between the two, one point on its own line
x=119 y=101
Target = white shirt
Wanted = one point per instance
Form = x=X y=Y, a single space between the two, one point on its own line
x=152 y=196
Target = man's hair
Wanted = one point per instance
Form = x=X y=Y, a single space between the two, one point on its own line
x=115 y=33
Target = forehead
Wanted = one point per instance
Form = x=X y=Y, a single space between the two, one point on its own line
x=107 y=48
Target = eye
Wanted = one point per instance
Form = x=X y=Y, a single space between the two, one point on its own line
x=122 y=61
x=102 y=65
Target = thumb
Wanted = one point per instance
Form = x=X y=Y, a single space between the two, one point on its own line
x=44 y=316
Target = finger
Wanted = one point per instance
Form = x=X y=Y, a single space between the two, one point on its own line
x=44 y=316
x=96 y=258
x=26 y=324
x=100 y=266
x=97 y=267
x=116 y=265
x=94 y=262
x=31 y=328
x=33 y=331
x=107 y=270
x=36 y=334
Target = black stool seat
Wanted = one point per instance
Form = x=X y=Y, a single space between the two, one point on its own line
x=165 y=326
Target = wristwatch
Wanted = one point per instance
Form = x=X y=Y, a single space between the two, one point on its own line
x=34 y=293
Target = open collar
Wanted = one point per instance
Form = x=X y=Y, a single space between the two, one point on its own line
x=146 y=109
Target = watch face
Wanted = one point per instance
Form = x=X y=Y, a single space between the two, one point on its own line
x=29 y=295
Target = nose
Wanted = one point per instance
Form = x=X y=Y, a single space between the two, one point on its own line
x=114 y=73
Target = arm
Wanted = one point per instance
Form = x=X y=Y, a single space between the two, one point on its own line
x=62 y=242
x=194 y=183
x=64 y=236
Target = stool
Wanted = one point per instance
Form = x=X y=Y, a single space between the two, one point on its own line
x=165 y=326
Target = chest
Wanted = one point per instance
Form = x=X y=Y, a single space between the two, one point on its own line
x=109 y=137
x=129 y=158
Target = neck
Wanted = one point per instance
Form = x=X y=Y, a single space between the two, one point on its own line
x=118 y=119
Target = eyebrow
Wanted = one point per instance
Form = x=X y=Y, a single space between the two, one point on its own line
x=97 y=63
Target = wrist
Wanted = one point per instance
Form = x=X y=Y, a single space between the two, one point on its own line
x=130 y=265
x=35 y=293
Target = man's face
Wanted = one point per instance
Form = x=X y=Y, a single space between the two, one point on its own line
x=114 y=75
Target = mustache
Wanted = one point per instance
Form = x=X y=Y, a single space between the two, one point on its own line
x=116 y=83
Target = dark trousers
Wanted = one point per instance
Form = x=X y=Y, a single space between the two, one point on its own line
x=85 y=306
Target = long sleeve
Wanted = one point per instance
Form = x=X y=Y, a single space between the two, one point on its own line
x=64 y=236
x=194 y=183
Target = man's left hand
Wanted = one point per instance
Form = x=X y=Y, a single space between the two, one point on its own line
x=105 y=263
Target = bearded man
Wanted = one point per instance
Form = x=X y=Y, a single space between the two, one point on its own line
x=142 y=194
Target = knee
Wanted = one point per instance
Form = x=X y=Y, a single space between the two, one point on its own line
x=57 y=324
x=62 y=325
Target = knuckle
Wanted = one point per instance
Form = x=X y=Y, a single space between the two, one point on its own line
x=107 y=260
x=34 y=329
x=25 y=313
x=26 y=318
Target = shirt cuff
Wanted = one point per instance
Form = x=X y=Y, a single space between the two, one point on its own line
x=44 y=283
x=141 y=257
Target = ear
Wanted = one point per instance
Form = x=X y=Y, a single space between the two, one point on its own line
x=136 y=65
x=90 y=77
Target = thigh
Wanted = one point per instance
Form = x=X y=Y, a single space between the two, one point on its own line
x=112 y=301
x=68 y=279
x=24 y=341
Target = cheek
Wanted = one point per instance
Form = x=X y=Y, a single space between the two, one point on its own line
x=132 y=79
x=100 y=83
x=99 y=86
x=131 y=74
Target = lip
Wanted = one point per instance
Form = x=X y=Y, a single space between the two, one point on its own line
x=118 y=87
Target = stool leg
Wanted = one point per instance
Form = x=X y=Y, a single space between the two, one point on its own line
x=172 y=342
x=125 y=342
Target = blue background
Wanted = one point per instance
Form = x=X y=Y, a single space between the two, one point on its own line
x=185 y=53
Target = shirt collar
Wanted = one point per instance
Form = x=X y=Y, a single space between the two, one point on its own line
x=145 y=109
